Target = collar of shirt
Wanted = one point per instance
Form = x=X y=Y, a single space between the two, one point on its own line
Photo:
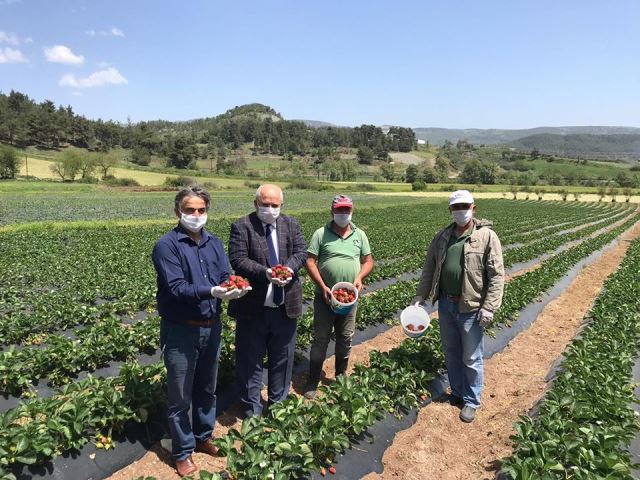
x=353 y=230
x=183 y=235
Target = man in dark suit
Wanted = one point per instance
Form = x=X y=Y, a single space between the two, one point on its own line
x=266 y=317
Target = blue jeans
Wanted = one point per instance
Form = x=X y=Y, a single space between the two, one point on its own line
x=191 y=356
x=463 y=345
x=272 y=333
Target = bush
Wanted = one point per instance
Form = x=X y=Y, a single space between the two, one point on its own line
x=88 y=179
x=418 y=186
x=9 y=162
x=210 y=185
x=120 y=182
x=249 y=184
x=180 y=181
x=365 y=187
x=306 y=184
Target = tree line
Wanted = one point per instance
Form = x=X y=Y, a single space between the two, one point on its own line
x=24 y=122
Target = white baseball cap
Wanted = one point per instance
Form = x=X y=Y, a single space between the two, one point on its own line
x=461 y=196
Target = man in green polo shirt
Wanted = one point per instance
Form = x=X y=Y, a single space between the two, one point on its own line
x=338 y=252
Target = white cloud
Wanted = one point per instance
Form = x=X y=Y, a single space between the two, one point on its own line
x=112 y=32
x=62 y=54
x=103 y=64
x=28 y=40
x=10 y=38
x=116 y=32
x=108 y=76
x=9 y=2
x=11 y=55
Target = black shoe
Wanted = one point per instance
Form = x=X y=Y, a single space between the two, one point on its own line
x=310 y=390
x=468 y=414
x=456 y=401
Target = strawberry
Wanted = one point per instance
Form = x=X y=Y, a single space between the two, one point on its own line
x=411 y=327
x=332 y=470
x=420 y=328
x=281 y=272
x=235 y=281
x=344 y=295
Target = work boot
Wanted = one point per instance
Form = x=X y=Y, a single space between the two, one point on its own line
x=341 y=366
x=467 y=414
x=456 y=401
x=315 y=370
x=186 y=467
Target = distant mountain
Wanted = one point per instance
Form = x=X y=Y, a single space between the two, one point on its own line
x=316 y=123
x=477 y=136
x=611 y=146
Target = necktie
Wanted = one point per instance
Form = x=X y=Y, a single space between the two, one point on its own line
x=278 y=292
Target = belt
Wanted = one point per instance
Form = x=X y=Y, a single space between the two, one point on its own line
x=201 y=323
x=453 y=298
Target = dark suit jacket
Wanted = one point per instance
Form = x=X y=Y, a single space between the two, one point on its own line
x=248 y=254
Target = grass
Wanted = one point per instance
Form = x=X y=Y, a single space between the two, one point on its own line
x=41 y=169
x=28 y=201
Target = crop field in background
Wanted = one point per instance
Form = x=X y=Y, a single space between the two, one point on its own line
x=79 y=294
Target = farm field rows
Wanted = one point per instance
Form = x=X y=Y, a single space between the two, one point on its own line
x=74 y=294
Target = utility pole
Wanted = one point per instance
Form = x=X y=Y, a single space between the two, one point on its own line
x=26 y=164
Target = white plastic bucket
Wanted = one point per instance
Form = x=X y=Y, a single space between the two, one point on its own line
x=418 y=317
x=343 y=308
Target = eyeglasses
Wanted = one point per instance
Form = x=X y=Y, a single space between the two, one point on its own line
x=191 y=211
x=460 y=206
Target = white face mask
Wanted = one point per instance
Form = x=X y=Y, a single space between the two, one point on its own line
x=192 y=223
x=342 y=219
x=268 y=215
x=462 y=217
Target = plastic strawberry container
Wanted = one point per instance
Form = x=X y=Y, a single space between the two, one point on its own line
x=339 y=307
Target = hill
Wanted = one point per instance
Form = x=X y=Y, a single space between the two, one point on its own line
x=477 y=136
x=611 y=147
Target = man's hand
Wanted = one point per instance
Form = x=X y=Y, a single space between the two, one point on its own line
x=224 y=294
x=275 y=280
x=326 y=293
x=485 y=317
x=417 y=301
x=358 y=283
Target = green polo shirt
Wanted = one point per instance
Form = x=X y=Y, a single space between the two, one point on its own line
x=453 y=266
x=338 y=258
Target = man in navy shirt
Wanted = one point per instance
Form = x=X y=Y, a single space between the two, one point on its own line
x=191 y=264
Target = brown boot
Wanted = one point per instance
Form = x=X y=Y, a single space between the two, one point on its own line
x=207 y=447
x=186 y=467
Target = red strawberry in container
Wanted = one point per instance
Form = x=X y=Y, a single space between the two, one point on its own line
x=343 y=296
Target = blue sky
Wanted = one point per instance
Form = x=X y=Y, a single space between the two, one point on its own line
x=456 y=64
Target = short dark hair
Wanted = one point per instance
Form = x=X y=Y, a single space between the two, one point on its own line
x=193 y=191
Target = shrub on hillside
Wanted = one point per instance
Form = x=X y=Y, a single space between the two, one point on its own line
x=364 y=187
x=120 y=182
x=180 y=181
x=418 y=186
x=307 y=184
x=9 y=162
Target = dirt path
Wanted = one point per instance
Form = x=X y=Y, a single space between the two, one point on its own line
x=440 y=446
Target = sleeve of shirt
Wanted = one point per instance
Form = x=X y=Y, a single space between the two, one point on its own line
x=170 y=274
x=314 y=243
x=225 y=267
x=365 y=249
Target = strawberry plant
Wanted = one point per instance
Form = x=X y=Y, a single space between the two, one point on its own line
x=586 y=421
